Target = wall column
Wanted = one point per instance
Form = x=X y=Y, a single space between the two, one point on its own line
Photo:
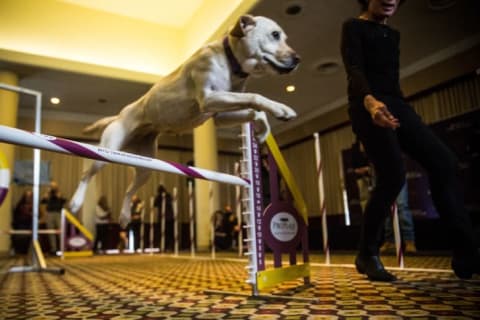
x=206 y=157
x=8 y=117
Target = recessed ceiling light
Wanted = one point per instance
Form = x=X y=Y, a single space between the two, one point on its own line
x=290 y=88
x=55 y=100
x=294 y=8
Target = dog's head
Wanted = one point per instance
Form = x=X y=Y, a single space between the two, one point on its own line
x=262 y=47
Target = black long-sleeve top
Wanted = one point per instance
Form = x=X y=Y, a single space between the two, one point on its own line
x=370 y=53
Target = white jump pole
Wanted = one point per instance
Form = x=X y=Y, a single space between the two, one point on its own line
x=175 y=221
x=346 y=209
x=321 y=191
x=212 y=223
x=238 y=210
x=51 y=143
x=37 y=255
x=150 y=230
x=162 y=222
x=191 y=218
x=396 y=233
x=142 y=231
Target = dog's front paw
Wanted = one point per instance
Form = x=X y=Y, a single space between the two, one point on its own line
x=285 y=113
x=262 y=127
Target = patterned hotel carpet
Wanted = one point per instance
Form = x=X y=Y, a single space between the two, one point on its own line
x=160 y=287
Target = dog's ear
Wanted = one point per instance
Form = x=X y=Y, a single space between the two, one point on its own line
x=245 y=23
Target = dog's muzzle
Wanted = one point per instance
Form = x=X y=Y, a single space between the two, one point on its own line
x=284 y=68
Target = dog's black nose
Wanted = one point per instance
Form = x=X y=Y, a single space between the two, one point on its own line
x=295 y=59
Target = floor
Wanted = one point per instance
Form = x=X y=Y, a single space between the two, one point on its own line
x=167 y=287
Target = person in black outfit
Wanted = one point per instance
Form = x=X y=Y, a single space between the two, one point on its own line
x=387 y=125
x=53 y=203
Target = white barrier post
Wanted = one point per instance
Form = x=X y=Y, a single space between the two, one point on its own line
x=252 y=200
x=38 y=260
x=321 y=191
x=346 y=209
x=150 y=230
x=142 y=231
x=175 y=221
x=191 y=218
x=162 y=222
x=238 y=209
x=396 y=233
x=212 y=223
x=63 y=234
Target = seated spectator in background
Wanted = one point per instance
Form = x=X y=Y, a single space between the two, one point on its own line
x=22 y=220
x=102 y=218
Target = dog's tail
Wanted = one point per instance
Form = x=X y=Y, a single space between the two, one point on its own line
x=99 y=125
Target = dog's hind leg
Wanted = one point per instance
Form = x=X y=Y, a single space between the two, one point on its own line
x=78 y=197
x=146 y=147
x=113 y=137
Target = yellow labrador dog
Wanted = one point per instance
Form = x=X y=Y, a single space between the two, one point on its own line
x=208 y=85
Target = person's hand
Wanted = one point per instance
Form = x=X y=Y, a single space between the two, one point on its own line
x=381 y=116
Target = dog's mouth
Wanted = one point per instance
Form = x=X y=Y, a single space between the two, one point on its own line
x=281 y=69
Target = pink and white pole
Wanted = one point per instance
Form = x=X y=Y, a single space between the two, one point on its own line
x=396 y=233
x=321 y=190
x=45 y=142
x=238 y=210
x=191 y=218
x=175 y=222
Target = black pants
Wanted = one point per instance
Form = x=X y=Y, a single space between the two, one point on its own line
x=100 y=236
x=384 y=149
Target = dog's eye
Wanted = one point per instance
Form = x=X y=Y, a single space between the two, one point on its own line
x=276 y=35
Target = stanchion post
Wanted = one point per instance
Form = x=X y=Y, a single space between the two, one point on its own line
x=321 y=196
x=175 y=221
x=238 y=210
x=396 y=233
x=191 y=218
x=150 y=230
x=162 y=222
x=212 y=223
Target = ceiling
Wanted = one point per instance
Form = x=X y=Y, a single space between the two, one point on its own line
x=428 y=37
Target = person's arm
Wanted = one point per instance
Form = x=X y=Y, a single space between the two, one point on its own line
x=354 y=60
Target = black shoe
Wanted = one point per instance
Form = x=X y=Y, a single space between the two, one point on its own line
x=373 y=268
x=466 y=267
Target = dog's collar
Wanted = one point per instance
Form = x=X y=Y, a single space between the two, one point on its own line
x=234 y=64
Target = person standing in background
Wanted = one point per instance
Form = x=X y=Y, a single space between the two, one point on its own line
x=102 y=218
x=53 y=203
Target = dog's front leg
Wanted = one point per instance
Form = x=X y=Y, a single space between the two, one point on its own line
x=220 y=101
x=234 y=118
